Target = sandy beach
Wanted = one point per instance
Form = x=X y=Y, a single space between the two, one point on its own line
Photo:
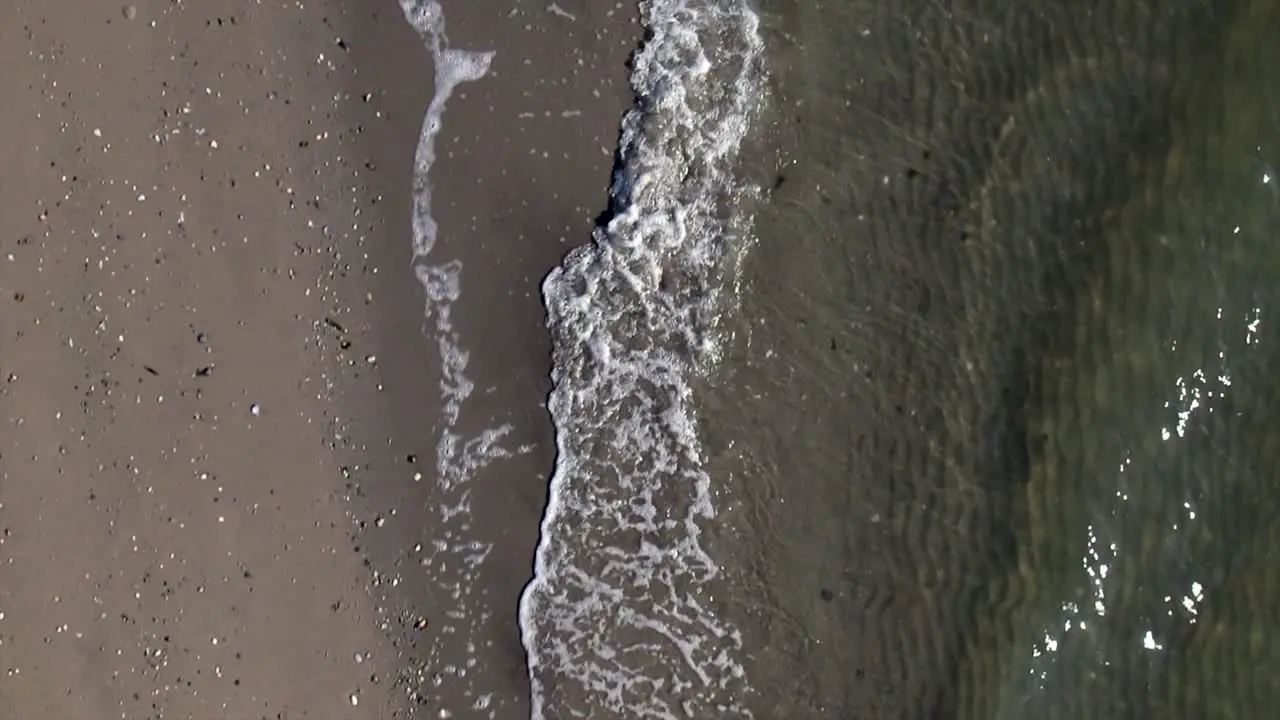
x=221 y=394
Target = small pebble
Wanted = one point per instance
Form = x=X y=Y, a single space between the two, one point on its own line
x=130 y=12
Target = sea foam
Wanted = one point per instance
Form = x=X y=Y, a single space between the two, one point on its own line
x=457 y=552
x=620 y=619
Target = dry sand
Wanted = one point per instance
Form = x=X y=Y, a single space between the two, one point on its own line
x=213 y=368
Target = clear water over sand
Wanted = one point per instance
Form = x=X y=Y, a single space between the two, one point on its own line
x=996 y=430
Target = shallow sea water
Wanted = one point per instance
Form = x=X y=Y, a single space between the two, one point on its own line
x=994 y=431
x=622 y=617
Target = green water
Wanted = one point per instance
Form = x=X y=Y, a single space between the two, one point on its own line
x=1002 y=397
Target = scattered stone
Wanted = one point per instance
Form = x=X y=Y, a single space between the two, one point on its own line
x=130 y=12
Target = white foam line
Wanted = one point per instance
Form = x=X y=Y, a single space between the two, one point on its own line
x=456 y=555
x=452 y=68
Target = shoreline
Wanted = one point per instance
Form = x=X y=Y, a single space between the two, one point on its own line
x=249 y=447
x=521 y=171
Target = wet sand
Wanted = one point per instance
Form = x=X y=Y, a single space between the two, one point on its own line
x=213 y=366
